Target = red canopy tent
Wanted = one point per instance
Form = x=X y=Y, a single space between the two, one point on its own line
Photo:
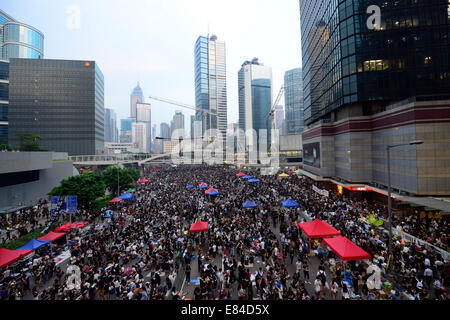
x=241 y=174
x=345 y=249
x=143 y=181
x=68 y=226
x=116 y=200
x=51 y=236
x=199 y=226
x=290 y=172
x=210 y=190
x=10 y=256
x=318 y=229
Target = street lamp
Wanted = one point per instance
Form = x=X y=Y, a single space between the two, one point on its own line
x=388 y=150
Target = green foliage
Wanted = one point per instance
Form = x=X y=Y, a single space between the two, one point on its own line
x=14 y=244
x=126 y=178
x=101 y=203
x=87 y=187
x=6 y=147
x=30 y=142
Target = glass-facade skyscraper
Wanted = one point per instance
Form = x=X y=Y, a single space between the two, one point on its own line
x=19 y=40
x=293 y=95
x=211 y=83
x=4 y=100
x=255 y=97
x=60 y=100
x=111 y=132
x=137 y=96
x=349 y=60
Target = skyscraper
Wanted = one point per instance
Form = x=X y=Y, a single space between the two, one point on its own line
x=137 y=96
x=111 y=133
x=19 y=40
x=369 y=84
x=211 y=83
x=143 y=115
x=293 y=95
x=125 y=130
x=279 y=117
x=164 y=132
x=60 y=100
x=178 y=121
x=255 y=97
x=140 y=135
x=4 y=100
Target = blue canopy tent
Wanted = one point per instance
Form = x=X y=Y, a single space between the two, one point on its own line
x=254 y=180
x=126 y=196
x=189 y=186
x=290 y=204
x=33 y=244
x=247 y=177
x=249 y=204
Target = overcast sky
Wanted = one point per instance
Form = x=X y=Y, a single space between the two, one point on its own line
x=152 y=41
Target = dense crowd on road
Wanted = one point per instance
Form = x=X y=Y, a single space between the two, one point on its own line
x=143 y=249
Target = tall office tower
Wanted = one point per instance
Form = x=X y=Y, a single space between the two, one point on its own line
x=178 y=121
x=255 y=97
x=211 y=83
x=125 y=130
x=137 y=96
x=139 y=133
x=143 y=115
x=371 y=82
x=4 y=101
x=293 y=97
x=279 y=118
x=19 y=40
x=60 y=100
x=164 y=132
x=192 y=132
x=110 y=126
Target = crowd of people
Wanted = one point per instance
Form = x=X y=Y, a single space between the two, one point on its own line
x=143 y=249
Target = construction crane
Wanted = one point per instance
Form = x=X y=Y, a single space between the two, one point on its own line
x=272 y=110
x=187 y=106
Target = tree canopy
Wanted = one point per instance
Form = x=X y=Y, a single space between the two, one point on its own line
x=126 y=178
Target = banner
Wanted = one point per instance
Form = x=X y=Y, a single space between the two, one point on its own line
x=54 y=204
x=71 y=202
x=324 y=193
x=311 y=154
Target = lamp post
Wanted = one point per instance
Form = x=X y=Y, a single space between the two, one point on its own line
x=388 y=150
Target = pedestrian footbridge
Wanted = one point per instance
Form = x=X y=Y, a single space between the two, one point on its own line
x=114 y=159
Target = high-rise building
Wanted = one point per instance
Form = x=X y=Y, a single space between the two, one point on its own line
x=154 y=140
x=368 y=84
x=60 y=100
x=144 y=115
x=255 y=97
x=111 y=132
x=125 y=130
x=164 y=133
x=137 y=96
x=192 y=132
x=140 y=136
x=19 y=40
x=211 y=83
x=178 y=122
x=4 y=100
x=293 y=95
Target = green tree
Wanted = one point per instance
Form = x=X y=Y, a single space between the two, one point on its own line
x=5 y=147
x=30 y=142
x=126 y=178
x=87 y=187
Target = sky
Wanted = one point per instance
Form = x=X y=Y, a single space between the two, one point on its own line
x=152 y=41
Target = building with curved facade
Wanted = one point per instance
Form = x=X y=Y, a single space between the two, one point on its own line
x=19 y=40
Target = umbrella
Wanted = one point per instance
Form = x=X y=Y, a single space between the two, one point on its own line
x=247 y=177
x=116 y=200
x=241 y=174
x=290 y=204
x=290 y=172
x=203 y=185
x=190 y=186
x=131 y=190
x=212 y=192
x=143 y=181
x=249 y=204
x=126 y=196
x=254 y=180
x=199 y=226
x=283 y=175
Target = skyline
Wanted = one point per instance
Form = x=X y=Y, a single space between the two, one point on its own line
x=161 y=58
